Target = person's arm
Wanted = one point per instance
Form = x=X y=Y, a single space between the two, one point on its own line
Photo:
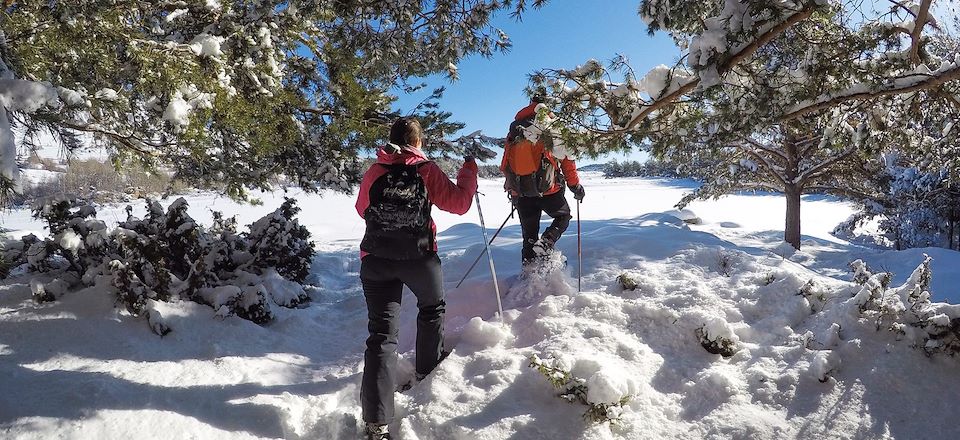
x=569 y=168
x=363 y=195
x=508 y=177
x=452 y=197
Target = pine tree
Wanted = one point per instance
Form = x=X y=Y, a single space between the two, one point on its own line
x=789 y=96
x=230 y=92
x=915 y=191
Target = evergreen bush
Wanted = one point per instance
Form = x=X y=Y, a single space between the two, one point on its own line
x=574 y=389
x=167 y=255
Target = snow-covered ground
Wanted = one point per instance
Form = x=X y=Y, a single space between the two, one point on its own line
x=806 y=365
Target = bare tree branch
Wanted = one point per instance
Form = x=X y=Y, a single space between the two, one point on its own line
x=764 y=163
x=819 y=169
x=830 y=189
x=765 y=148
x=130 y=141
x=922 y=16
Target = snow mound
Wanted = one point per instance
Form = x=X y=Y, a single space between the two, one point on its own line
x=686 y=215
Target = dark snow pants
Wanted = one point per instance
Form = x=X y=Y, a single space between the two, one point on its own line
x=530 y=208
x=383 y=282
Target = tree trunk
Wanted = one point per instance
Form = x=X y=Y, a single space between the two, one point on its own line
x=953 y=230
x=950 y=236
x=792 y=190
x=791 y=230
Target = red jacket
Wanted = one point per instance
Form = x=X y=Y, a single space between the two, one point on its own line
x=567 y=166
x=443 y=193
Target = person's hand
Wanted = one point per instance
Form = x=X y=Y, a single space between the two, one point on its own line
x=578 y=191
x=475 y=150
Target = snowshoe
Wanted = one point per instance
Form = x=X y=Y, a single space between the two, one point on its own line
x=549 y=261
x=543 y=247
x=544 y=275
x=374 y=431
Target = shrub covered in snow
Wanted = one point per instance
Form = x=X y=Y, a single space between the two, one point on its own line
x=601 y=407
x=167 y=255
x=717 y=337
x=907 y=310
x=628 y=280
x=278 y=241
x=912 y=208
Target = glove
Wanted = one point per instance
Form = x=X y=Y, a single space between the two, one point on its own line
x=578 y=191
x=479 y=151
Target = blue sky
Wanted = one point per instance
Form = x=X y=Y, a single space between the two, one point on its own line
x=562 y=34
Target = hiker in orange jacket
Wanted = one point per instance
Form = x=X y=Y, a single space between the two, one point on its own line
x=535 y=184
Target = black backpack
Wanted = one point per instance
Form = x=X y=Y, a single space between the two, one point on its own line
x=398 y=217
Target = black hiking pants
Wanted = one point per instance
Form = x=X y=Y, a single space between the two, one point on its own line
x=530 y=209
x=383 y=282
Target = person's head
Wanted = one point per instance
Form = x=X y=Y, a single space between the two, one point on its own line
x=406 y=131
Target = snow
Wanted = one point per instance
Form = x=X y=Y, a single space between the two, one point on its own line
x=177 y=112
x=808 y=363
x=655 y=81
x=27 y=96
x=177 y=13
x=207 y=46
x=713 y=40
x=107 y=94
x=183 y=103
x=663 y=80
x=610 y=385
x=72 y=98
x=70 y=241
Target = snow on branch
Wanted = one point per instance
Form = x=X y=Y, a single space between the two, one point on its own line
x=911 y=82
x=17 y=95
x=771 y=169
x=737 y=56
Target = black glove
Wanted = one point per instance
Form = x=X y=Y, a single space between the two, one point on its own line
x=578 y=191
x=479 y=151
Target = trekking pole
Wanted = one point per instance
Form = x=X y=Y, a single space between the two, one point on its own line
x=493 y=270
x=579 y=250
x=477 y=260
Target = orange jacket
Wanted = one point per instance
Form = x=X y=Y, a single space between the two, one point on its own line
x=567 y=166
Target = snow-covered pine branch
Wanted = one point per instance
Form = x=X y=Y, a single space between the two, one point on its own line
x=921 y=79
x=239 y=92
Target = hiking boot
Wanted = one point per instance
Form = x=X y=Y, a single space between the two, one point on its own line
x=419 y=377
x=543 y=246
x=443 y=355
x=376 y=431
x=551 y=235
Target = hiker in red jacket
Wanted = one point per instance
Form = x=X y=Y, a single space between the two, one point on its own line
x=399 y=248
x=535 y=184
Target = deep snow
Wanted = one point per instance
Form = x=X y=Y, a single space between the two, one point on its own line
x=79 y=368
